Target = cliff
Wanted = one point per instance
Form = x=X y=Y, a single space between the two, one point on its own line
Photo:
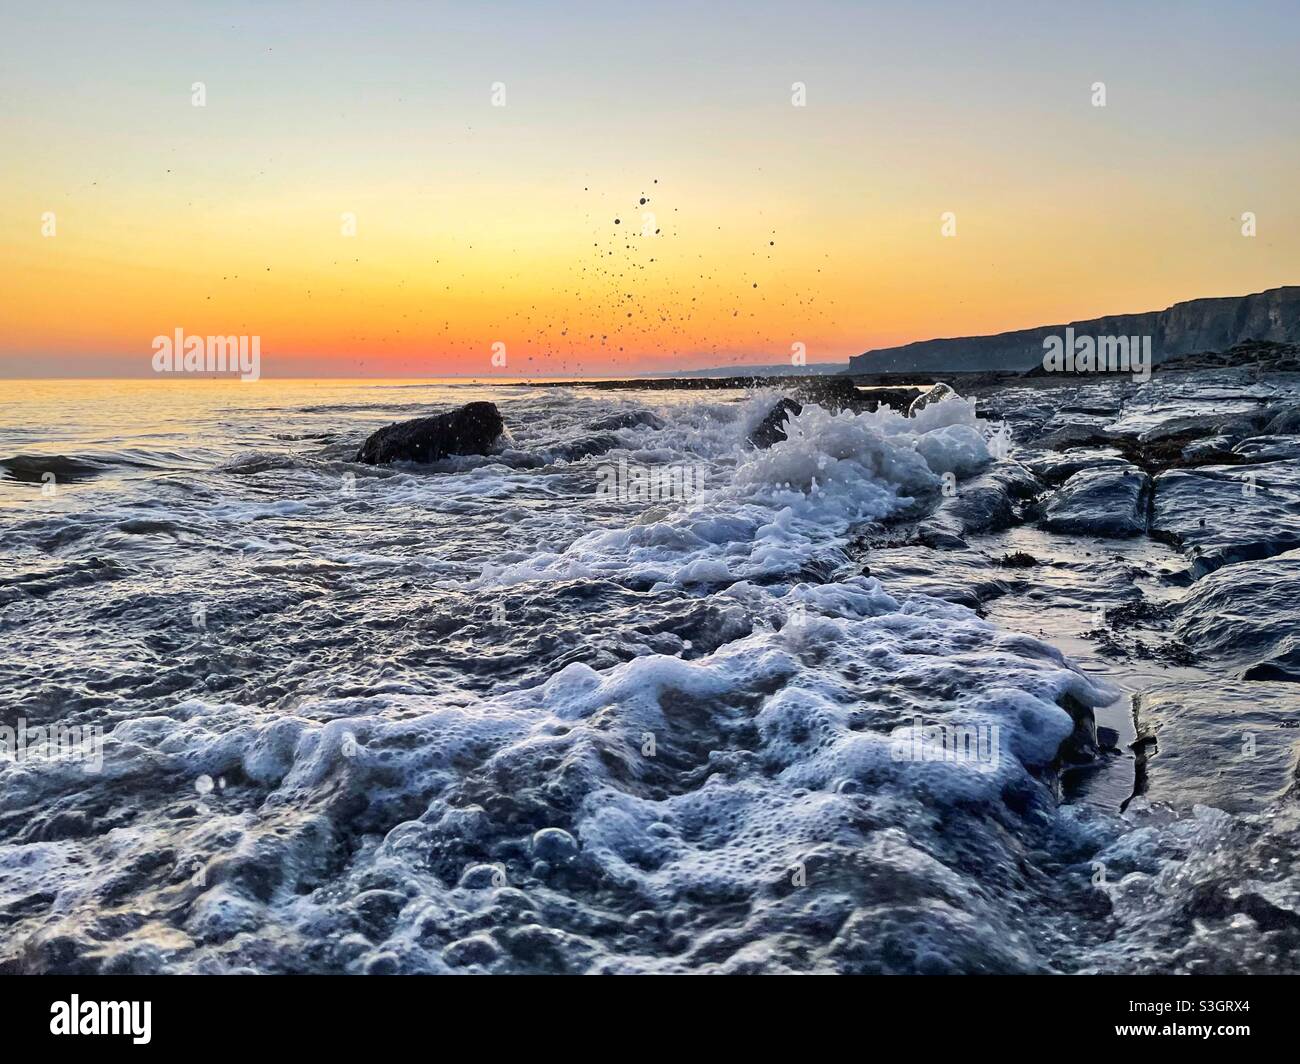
x=1185 y=328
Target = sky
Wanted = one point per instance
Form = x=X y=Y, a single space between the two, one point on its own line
x=393 y=189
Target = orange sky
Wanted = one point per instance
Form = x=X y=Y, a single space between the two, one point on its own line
x=479 y=224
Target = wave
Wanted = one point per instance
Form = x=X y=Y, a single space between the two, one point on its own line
x=35 y=468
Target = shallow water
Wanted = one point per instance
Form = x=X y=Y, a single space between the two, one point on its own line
x=476 y=716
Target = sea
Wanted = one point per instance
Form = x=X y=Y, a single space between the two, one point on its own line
x=623 y=696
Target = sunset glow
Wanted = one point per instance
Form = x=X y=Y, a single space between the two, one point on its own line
x=478 y=224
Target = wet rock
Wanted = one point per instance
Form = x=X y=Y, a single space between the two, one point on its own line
x=1204 y=426
x=1207 y=452
x=1248 y=615
x=69 y=824
x=1070 y=436
x=772 y=428
x=1056 y=467
x=985 y=503
x=1285 y=420
x=1018 y=481
x=1110 y=502
x=1268 y=449
x=1225 y=514
x=472 y=429
x=1232 y=746
x=979 y=506
x=937 y=393
x=583 y=447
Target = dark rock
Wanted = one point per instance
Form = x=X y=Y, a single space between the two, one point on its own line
x=1213 y=451
x=1070 y=436
x=1018 y=481
x=33 y=468
x=1248 y=615
x=1285 y=420
x=1196 y=427
x=583 y=447
x=985 y=503
x=472 y=429
x=1193 y=440
x=772 y=428
x=1267 y=449
x=1225 y=514
x=897 y=398
x=1100 y=502
x=1056 y=467
x=1268 y=355
x=835 y=393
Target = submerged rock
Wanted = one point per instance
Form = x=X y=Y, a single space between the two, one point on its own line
x=1110 y=502
x=961 y=576
x=772 y=428
x=1232 y=746
x=472 y=429
x=1248 y=615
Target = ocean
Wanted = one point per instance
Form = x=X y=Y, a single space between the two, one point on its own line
x=626 y=695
